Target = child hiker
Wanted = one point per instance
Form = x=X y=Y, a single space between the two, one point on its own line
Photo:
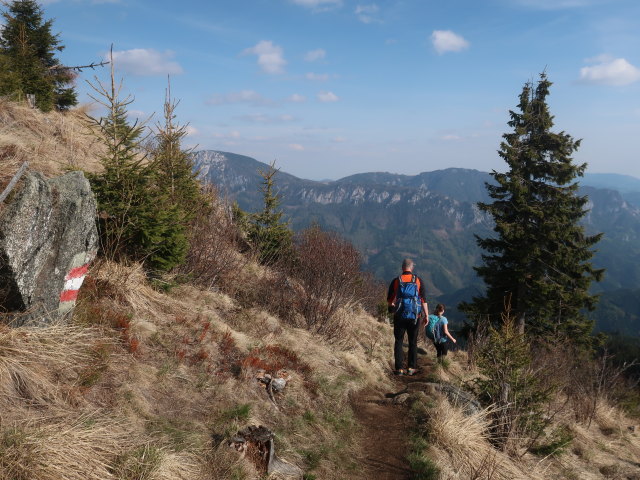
x=437 y=330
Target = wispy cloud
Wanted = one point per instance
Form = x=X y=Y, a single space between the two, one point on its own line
x=318 y=5
x=270 y=56
x=368 y=13
x=327 y=97
x=266 y=119
x=146 y=61
x=296 y=98
x=448 y=41
x=557 y=4
x=234 y=134
x=243 y=96
x=296 y=146
x=315 y=55
x=609 y=71
x=317 y=77
x=451 y=138
x=191 y=131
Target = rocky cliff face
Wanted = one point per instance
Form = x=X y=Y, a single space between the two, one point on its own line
x=432 y=217
x=47 y=238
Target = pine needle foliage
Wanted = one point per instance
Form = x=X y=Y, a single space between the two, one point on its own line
x=540 y=255
x=136 y=220
x=511 y=385
x=267 y=232
x=176 y=179
x=174 y=165
x=28 y=49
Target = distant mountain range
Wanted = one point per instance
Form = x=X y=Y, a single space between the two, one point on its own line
x=432 y=217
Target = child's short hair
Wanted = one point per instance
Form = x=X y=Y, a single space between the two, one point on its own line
x=440 y=307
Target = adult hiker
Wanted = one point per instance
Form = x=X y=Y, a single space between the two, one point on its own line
x=438 y=331
x=406 y=300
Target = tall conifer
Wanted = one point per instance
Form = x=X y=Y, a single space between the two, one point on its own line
x=267 y=231
x=540 y=255
x=136 y=221
x=176 y=180
x=29 y=47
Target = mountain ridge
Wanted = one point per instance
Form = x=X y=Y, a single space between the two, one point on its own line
x=431 y=217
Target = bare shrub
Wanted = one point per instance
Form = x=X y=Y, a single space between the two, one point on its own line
x=328 y=268
x=592 y=380
x=214 y=243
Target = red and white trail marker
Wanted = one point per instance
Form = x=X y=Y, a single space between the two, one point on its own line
x=72 y=283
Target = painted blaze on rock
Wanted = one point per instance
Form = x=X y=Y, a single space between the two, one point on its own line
x=48 y=237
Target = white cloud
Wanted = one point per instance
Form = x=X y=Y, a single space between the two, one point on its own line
x=609 y=71
x=234 y=134
x=326 y=97
x=314 y=55
x=451 y=138
x=243 y=96
x=317 y=77
x=270 y=56
x=339 y=139
x=296 y=146
x=266 y=119
x=146 y=61
x=296 y=98
x=557 y=4
x=447 y=41
x=191 y=131
x=367 y=13
x=318 y=4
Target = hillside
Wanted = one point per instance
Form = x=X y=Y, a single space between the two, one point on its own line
x=153 y=379
x=431 y=217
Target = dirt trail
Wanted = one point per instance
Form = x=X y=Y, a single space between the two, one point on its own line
x=387 y=428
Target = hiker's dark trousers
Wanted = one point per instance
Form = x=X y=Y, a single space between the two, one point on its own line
x=441 y=349
x=400 y=327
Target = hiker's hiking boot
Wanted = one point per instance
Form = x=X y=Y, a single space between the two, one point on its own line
x=399 y=372
x=412 y=371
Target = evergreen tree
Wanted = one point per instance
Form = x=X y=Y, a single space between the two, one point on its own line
x=267 y=232
x=540 y=254
x=176 y=179
x=511 y=384
x=29 y=46
x=136 y=221
x=174 y=165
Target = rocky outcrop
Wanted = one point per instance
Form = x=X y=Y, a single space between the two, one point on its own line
x=48 y=237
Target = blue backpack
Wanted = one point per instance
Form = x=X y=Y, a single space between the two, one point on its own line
x=408 y=300
x=428 y=330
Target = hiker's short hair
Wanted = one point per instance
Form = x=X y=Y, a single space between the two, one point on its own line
x=407 y=264
x=440 y=307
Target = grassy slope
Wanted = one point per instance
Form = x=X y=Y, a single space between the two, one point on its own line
x=146 y=385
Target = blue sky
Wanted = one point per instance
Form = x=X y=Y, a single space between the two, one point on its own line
x=329 y=88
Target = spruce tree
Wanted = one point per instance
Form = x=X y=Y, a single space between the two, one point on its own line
x=175 y=177
x=29 y=46
x=136 y=221
x=269 y=234
x=540 y=255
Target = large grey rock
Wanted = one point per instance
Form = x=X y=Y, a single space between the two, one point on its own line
x=48 y=236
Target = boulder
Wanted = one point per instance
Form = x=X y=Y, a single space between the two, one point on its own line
x=48 y=237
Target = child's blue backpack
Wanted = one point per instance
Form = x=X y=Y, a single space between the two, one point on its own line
x=429 y=328
x=408 y=300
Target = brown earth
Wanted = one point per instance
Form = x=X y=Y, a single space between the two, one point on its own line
x=387 y=427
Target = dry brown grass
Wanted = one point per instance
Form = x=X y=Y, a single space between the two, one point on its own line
x=462 y=449
x=196 y=362
x=51 y=142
